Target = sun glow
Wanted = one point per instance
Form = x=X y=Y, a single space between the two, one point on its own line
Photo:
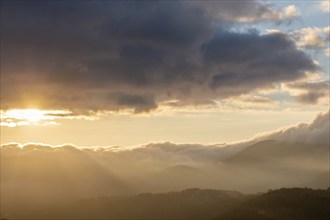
x=31 y=115
x=21 y=117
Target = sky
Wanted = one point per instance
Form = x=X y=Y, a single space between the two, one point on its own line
x=125 y=73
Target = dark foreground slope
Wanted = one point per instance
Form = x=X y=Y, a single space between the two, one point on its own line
x=188 y=204
x=282 y=204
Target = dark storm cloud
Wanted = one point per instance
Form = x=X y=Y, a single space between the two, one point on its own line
x=68 y=54
x=164 y=24
x=140 y=103
x=249 y=60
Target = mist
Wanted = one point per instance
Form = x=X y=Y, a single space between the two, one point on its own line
x=36 y=175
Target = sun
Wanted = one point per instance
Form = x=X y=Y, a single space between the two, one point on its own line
x=33 y=115
x=30 y=115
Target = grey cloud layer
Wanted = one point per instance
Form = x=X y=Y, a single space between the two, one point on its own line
x=115 y=55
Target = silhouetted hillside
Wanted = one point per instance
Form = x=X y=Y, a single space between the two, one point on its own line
x=188 y=204
x=283 y=204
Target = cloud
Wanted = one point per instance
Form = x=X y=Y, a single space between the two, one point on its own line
x=138 y=102
x=248 y=102
x=22 y=117
x=115 y=56
x=251 y=12
x=327 y=52
x=35 y=175
x=257 y=99
x=161 y=155
x=314 y=132
x=244 y=60
x=308 y=92
x=325 y=6
x=167 y=153
x=291 y=11
x=315 y=38
x=312 y=37
x=141 y=160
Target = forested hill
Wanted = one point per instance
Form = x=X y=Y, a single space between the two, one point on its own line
x=281 y=204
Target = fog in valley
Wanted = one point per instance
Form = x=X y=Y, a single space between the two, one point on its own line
x=35 y=176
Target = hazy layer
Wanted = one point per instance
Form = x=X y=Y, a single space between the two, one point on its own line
x=35 y=174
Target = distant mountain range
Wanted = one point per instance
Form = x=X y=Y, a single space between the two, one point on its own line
x=270 y=150
x=36 y=177
x=264 y=165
